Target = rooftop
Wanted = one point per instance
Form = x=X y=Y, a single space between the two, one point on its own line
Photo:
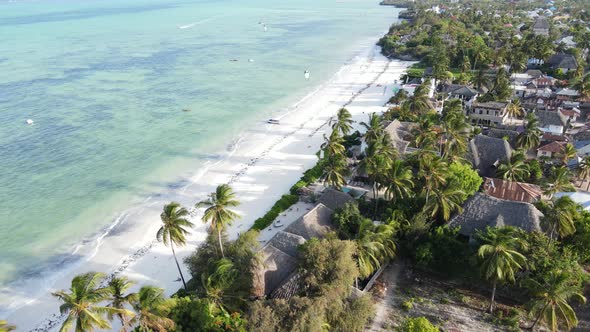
x=512 y=191
x=482 y=210
x=487 y=152
x=491 y=105
x=553 y=147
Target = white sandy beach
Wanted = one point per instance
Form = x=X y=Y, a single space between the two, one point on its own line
x=266 y=163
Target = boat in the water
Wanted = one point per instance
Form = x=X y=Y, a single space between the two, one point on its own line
x=273 y=121
x=29 y=121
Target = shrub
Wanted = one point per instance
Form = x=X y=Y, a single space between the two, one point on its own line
x=308 y=177
x=408 y=304
x=418 y=324
x=281 y=205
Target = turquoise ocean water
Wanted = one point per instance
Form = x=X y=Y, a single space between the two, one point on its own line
x=105 y=83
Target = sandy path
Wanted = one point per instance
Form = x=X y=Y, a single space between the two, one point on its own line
x=389 y=277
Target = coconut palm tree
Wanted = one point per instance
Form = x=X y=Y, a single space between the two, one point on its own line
x=530 y=138
x=217 y=284
x=418 y=103
x=218 y=210
x=5 y=327
x=584 y=170
x=118 y=287
x=343 y=122
x=432 y=171
x=375 y=245
x=500 y=258
x=514 y=109
x=335 y=170
x=81 y=304
x=399 y=183
x=514 y=169
x=152 y=308
x=480 y=80
x=455 y=135
x=583 y=86
x=560 y=180
x=560 y=218
x=550 y=304
x=333 y=145
x=374 y=165
x=424 y=135
x=374 y=128
x=173 y=230
x=444 y=202
x=568 y=152
x=400 y=96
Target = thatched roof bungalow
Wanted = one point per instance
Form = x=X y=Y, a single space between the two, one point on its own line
x=278 y=258
x=482 y=211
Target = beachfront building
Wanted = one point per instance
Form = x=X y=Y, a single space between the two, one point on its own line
x=400 y=134
x=489 y=113
x=551 y=150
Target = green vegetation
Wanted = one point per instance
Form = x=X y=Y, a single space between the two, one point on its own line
x=218 y=211
x=418 y=324
x=285 y=202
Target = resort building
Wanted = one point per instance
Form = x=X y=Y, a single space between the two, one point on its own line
x=482 y=211
x=541 y=26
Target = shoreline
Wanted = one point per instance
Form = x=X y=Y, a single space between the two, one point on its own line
x=255 y=155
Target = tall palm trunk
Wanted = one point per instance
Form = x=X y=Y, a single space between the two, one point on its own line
x=220 y=243
x=539 y=317
x=177 y=265
x=493 y=296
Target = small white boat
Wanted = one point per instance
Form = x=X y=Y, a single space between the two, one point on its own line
x=306 y=74
x=29 y=122
x=273 y=121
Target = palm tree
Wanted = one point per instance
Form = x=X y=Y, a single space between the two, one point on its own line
x=333 y=145
x=551 y=302
x=399 y=181
x=399 y=97
x=375 y=245
x=584 y=170
x=583 y=87
x=151 y=308
x=455 y=135
x=5 y=327
x=560 y=180
x=374 y=128
x=335 y=169
x=445 y=202
x=117 y=287
x=424 y=135
x=530 y=138
x=218 y=212
x=432 y=170
x=418 y=103
x=514 y=169
x=374 y=165
x=81 y=304
x=560 y=218
x=480 y=80
x=568 y=152
x=343 y=122
x=173 y=230
x=500 y=259
x=218 y=283
x=514 y=109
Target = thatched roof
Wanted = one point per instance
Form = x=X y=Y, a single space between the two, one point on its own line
x=549 y=118
x=287 y=242
x=400 y=134
x=274 y=266
x=288 y=288
x=481 y=211
x=486 y=153
x=278 y=258
x=334 y=199
x=563 y=61
x=315 y=223
x=501 y=133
